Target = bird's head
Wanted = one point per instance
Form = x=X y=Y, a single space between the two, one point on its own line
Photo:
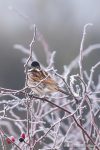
x=35 y=65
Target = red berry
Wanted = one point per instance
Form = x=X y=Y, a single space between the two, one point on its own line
x=12 y=138
x=8 y=141
x=23 y=135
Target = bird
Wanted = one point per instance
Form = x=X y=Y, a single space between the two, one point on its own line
x=40 y=81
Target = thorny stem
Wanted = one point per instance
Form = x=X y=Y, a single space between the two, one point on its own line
x=9 y=139
x=26 y=64
x=58 y=122
x=89 y=104
x=75 y=120
x=73 y=116
x=44 y=99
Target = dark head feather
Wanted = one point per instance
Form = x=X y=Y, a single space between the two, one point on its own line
x=35 y=64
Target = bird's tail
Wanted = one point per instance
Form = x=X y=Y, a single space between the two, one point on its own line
x=64 y=92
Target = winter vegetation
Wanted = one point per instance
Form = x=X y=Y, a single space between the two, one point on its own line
x=58 y=121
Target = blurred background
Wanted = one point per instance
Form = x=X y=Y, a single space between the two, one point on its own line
x=60 y=21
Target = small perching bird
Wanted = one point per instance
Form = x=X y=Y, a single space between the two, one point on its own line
x=39 y=81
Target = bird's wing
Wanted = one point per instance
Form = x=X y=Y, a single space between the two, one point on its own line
x=48 y=79
x=41 y=75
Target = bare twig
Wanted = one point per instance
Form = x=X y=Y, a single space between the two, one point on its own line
x=85 y=132
x=81 y=49
x=91 y=74
x=32 y=42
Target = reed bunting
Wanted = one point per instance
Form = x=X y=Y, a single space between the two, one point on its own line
x=39 y=81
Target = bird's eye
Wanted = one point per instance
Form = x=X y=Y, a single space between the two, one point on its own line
x=35 y=64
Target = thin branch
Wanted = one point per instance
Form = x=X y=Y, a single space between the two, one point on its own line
x=85 y=132
x=32 y=42
x=81 y=49
x=91 y=74
x=9 y=139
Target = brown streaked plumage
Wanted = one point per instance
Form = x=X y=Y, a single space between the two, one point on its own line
x=40 y=81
